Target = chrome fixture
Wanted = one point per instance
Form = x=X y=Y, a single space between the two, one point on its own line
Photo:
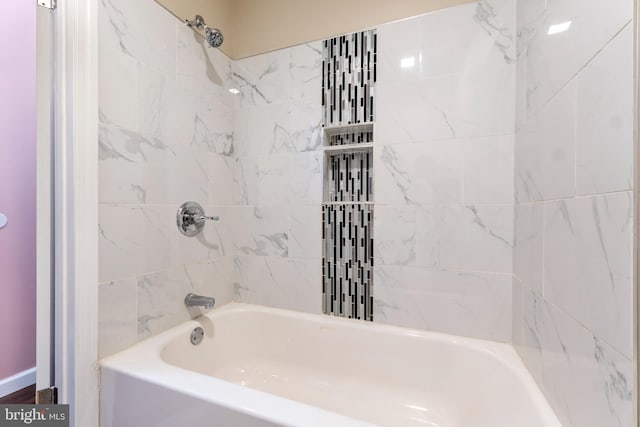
x=190 y=218
x=197 y=335
x=213 y=35
x=3 y=220
x=193 y=300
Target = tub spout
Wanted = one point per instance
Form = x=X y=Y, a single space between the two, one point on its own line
x=193 y=300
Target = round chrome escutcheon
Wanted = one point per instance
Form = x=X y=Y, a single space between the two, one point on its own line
x=197 y=335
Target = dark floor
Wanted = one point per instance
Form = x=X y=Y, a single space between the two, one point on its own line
x=26 y=395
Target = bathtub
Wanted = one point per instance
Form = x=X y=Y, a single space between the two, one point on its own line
x=259 y=366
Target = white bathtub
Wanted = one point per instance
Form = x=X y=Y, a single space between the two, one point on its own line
x=259 y=366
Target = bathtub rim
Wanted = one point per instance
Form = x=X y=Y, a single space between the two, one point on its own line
x=144 y=361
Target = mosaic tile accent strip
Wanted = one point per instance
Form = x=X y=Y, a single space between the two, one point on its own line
x=351 y=138
x=349 y=177
x=349 y=74
x=347 y=260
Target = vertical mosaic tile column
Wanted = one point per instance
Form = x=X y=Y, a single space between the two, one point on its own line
x=348 y=100
x=349 y=74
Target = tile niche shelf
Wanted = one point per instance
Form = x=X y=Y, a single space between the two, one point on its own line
x=346 y=135
x=348 y=164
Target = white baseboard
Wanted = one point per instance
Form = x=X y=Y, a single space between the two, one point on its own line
x=17 y=382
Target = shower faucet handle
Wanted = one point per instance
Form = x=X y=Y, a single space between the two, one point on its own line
x=191 y=218
x=210 y=218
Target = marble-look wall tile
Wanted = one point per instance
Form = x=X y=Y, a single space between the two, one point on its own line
x=488 y=170
x=262 y=79
x=201 y=121
x=140 y=29
x=588 y=264
x=528 y=247
x=118 y=88
x=161 y=301
x=305 y=232
x=477 y=238
x=470 y=304
x=429 y=231
x=262 y=130
x=121 y=157
x=139 y=169
x=279 y=282
x=418 y=174
x=545 y=150
x=200 y=69
x=180 y=174
x=305 y=72
x=117 y=316
x=395 y=235
x=263 y=180
x=604 y=155
x=166 y=137
x=305 y=181
x=155 y=97
x=478 y=35
x=221 y=180
x=573 y=256
x=464 y=105
x=591 y=24
x=261 y=231
x=161 y=295
x=305 y=127
x=137 y=239
x=587 y=383
x=121 y=241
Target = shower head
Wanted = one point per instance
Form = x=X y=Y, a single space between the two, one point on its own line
x=213 y=35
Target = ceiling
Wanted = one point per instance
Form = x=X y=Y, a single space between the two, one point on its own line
x=252 y=27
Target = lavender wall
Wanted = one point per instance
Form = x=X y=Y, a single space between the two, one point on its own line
x=17 y=186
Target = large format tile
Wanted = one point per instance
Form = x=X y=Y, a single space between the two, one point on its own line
x=587 y=383
x=305 y=179
x=117 y=316
x=121 y=245
x=395 y=235
x=488 y=170
x=201 y=121
x=161 y=295
x=463 y=105
x=528 y=244
x=469 y=304
x=554 y=59
x=200 y=69
x=545 y=150
x=305 y=72
x=141 y=29
x=305 y=232
x=477 y=238
x=604 y=154
x=161 y=301
x=262 y=130
x=418 y=174
x=279 y=282
x=262 y=79
x=478 y=35
x=118 y=88
x=155 y=96
x=261 y=231
x=588 y=264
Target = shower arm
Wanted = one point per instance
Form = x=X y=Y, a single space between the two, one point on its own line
x=197 y=22
x=213 y=35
